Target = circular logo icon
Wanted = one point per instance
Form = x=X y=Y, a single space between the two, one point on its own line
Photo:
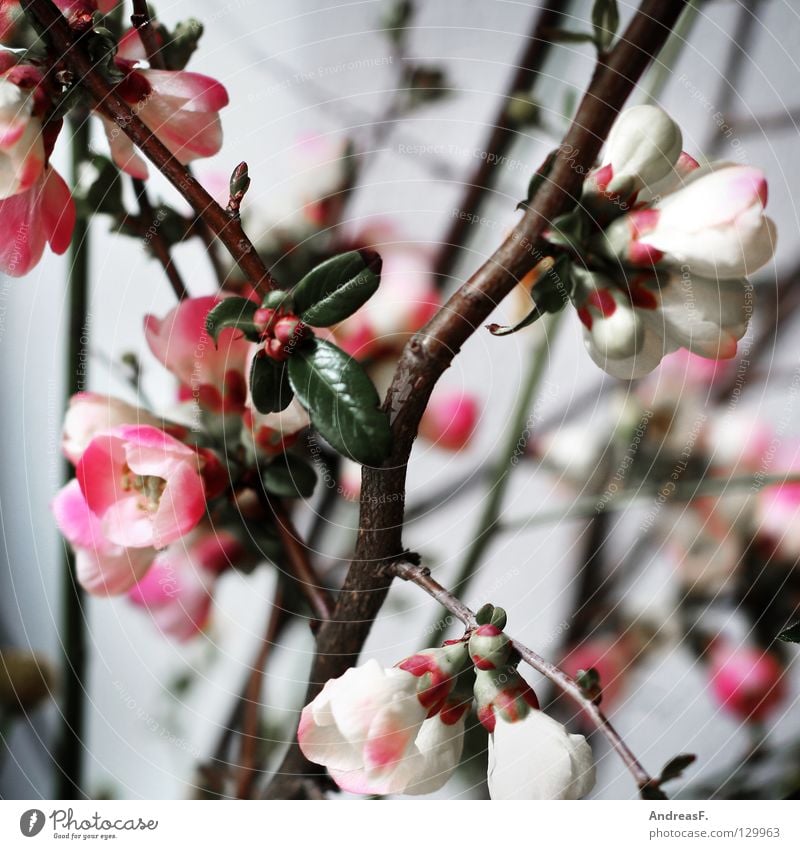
x=31 y=822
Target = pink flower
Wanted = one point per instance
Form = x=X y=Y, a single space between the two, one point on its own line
x=180 y=107
x=450 y=419
x=273 y=433
x=102 y=567
x=43 y=214
x=777 y=514
x=89 y=414
x=177 y=592
x=22 y=154
x=215 y=374
x=143 y=485
x=370 y=730
x=714 y=225
x=628 y=331
x=747 y=681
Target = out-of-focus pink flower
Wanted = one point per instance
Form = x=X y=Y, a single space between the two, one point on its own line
x=143 y=485
x=450 y=420
x=22 y=154
x=44 y=214
x=178 y=589
x=745 y=680
x=215 y=374
x=777 y=514
x=35 y=203
x=180 y=107
x=609 y=655
x=275 y=432
x=714 y=226
x=406 y=299
x=370 y=730
x=102 y=567
x=89 y=413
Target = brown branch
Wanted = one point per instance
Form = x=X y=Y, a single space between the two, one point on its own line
x=430 y=352
x=311 y=586
x=421 y=576
x=141 y=22
x=158 y=244
x=251 y=701
x=501 y=136
x=71 y=50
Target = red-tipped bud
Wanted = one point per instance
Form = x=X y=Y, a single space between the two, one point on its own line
x=502 y=692
x=489 y=647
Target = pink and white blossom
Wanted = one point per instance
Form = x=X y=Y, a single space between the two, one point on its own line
x=450 y=419
x=143 y=485
x=177 y=591
x=273 y=433
x=89 y=414
x=215 y=374
x=642 y=149
x=180 y=107
x=102 y=567
x=537 y=758
x=714 y=225
x=747 y=681
x=22 y=154
x=370 y=730
x=628 y=331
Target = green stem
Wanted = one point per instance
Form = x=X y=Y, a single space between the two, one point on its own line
x=69 y=748
x=663 y=65
x=513 y=443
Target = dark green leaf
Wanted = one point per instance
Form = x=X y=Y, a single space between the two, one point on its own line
x=605 y=20
x=676 y=766
x=269 y=385
x=791 y=634
x=549 y=294
x=233 y=312
x=652 y=792
x=538 y=179
x=337 y=288
x=105 y=192
x=484 y=614
x=289 y=476
x=589 y=682
x=180 y=44
x=342 y=402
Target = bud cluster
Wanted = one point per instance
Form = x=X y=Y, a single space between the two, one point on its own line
x=281 y=330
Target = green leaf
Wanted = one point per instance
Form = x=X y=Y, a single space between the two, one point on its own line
x=791 y=634
x=550 y=294
x=269 y=385
x=538 y=179
x=342 y=402
x=104 y=195
x=289 y=476
x=336 y=288
x=605 y=20
x=233 y=312
x=652 y=792
x=589 y=682
x=675 y=767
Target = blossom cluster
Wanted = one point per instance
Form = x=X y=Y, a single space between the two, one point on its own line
x=180 y=107
x=401 y=730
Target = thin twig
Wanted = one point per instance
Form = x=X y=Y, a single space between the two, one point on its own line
x=157 y=243
x=70 y=49
x=421 y=576
x=143 y=25
x=251 y=701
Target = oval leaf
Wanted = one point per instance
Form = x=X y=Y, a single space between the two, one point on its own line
x=290 y=476
x=269 y=385
x=791 y=634
x=342 y=402
x=337 y=287
x=233 y=312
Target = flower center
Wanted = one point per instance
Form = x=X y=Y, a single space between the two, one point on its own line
x=149 y=487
